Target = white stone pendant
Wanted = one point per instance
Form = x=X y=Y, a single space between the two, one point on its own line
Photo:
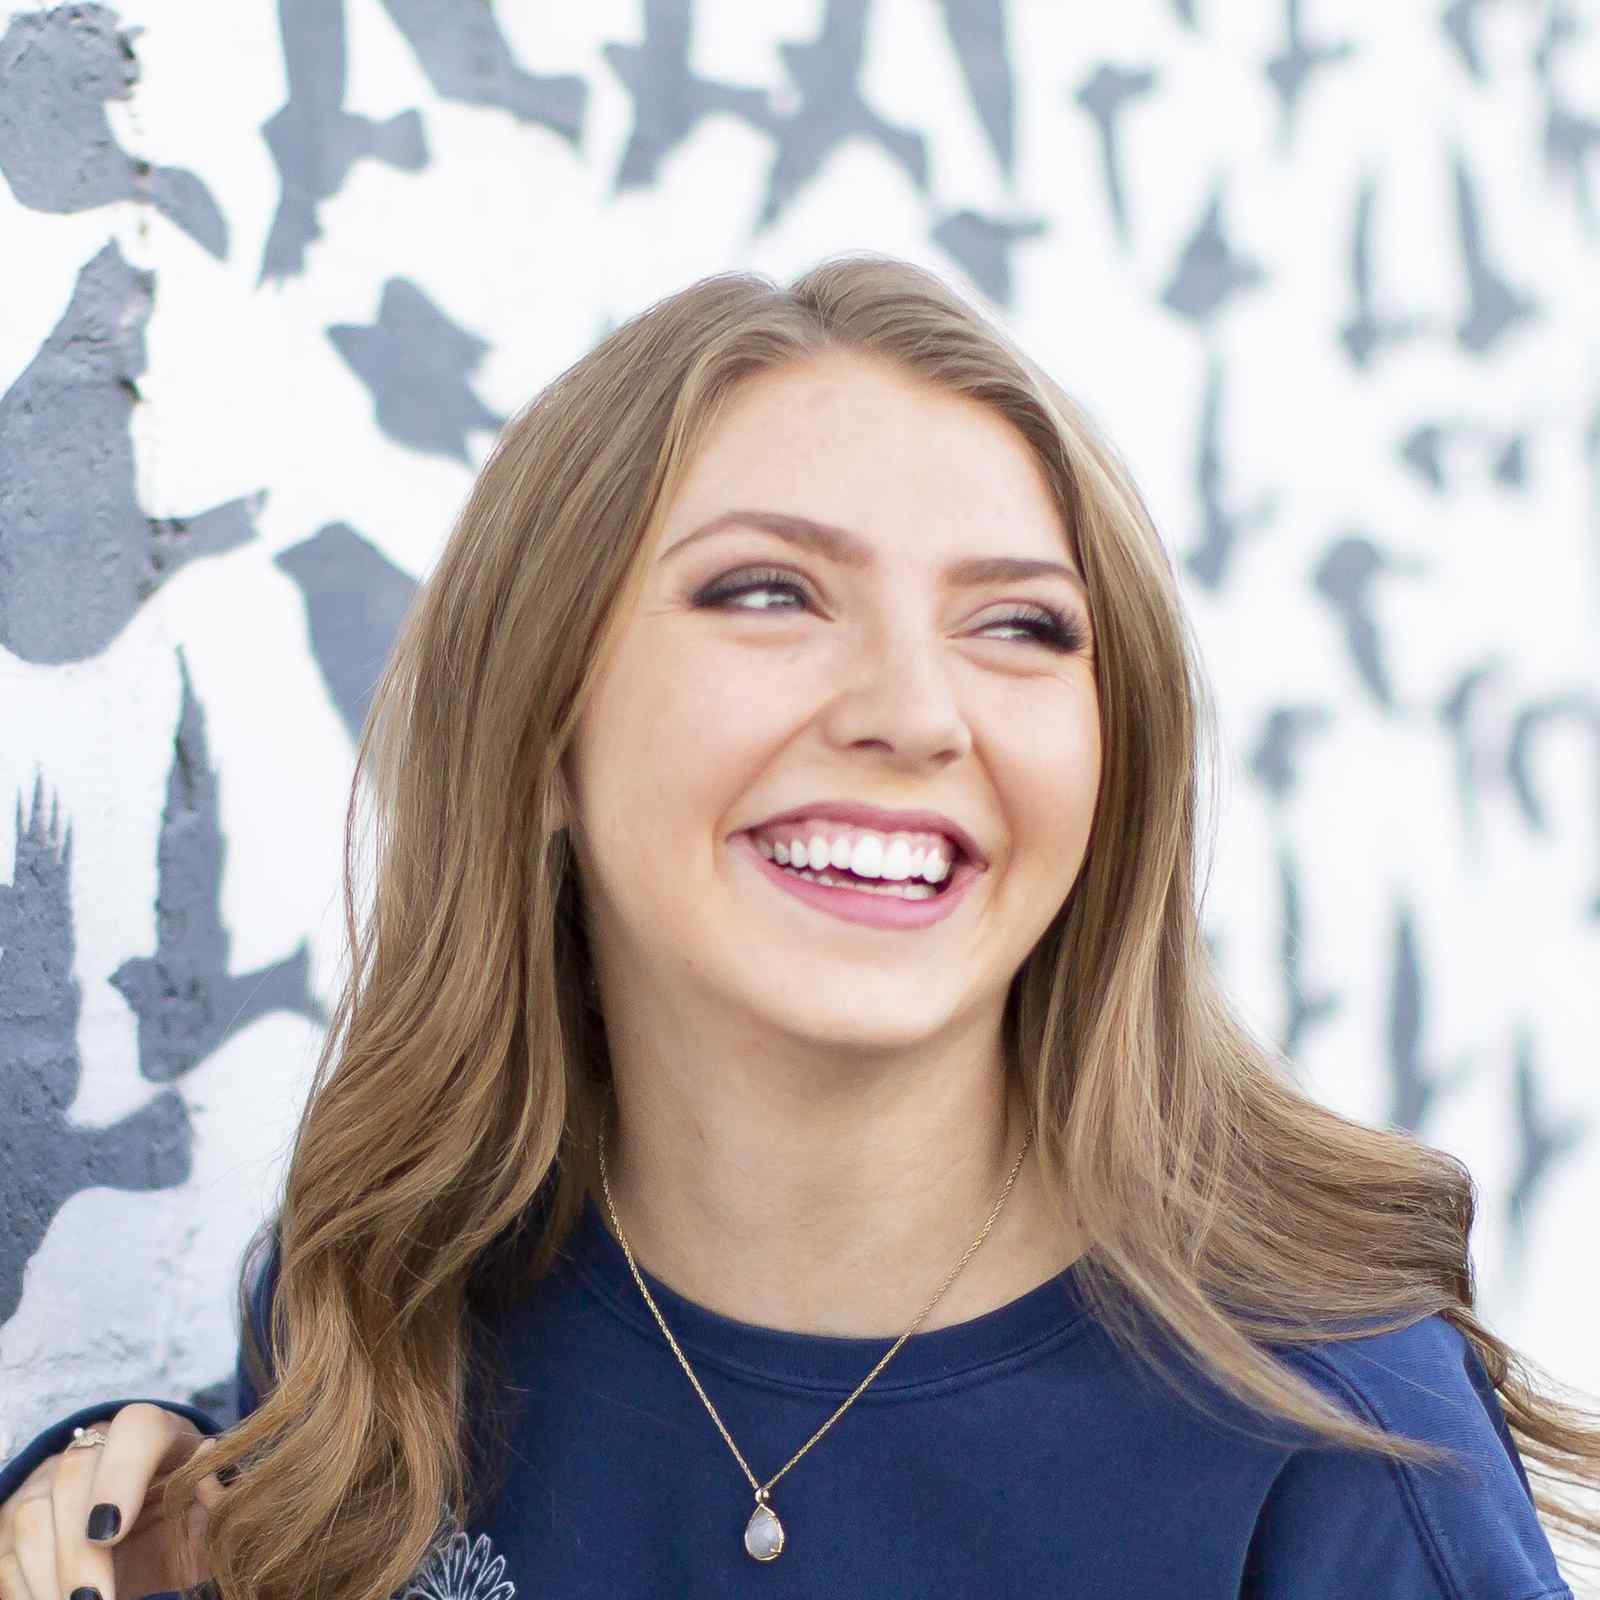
x=763 y=1533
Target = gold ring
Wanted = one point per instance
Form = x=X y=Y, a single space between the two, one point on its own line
x=86 y=1438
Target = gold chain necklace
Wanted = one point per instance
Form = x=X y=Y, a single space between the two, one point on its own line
x=764 y=1535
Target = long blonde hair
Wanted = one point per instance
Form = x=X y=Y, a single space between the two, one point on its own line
x=446 y=1146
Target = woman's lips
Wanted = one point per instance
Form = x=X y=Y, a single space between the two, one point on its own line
x=869 y=910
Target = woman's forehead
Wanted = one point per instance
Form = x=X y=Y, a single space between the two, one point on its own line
x=854 y=447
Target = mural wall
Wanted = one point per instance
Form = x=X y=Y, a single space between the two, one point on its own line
x=277 y=272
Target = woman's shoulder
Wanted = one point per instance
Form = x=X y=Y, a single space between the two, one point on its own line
x=1344 y=1521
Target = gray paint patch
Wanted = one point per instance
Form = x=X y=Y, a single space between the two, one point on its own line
x=1347 y=578
x=1570 y=136
x=1459 y=21
x=1304 y=1008
x=832 y=111
x=57 y=70
x=1414 y=1085
x=1102 y=96
x=77 y=555
x=314 y=141
x=1458 y=715
x=186 y=1000
x=1210 y=273
x=415 y=362
x=44 y=1158
x=1422 y=449
x=1368 y=331
x=983 y=246
x=977 y=30
x=1222 y=526
x=466 y=57
x=1542 y=1142
x=1274 y=762
x=668 y=99
x=355 y=600
x=1289 y=71
x=1578 y=707
x=1493 y=306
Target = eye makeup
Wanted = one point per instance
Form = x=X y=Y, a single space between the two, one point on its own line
x=1061 y=632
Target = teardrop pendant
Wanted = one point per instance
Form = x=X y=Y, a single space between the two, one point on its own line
x=763 y=1533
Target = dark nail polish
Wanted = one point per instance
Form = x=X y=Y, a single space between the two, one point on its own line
x=104 y=1521
x=84 y=1594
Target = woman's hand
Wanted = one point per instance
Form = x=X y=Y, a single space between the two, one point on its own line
x=46 y=1552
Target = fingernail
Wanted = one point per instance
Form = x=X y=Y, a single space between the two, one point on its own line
x=85 y=1594
x=104 y=1521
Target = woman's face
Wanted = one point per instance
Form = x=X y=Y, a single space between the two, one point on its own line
x=851 y=666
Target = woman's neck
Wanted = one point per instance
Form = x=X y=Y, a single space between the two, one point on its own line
x=833 y=1218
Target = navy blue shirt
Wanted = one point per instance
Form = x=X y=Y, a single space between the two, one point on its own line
x=1015 y=1454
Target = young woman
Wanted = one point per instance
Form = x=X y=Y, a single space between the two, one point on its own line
x=780 y=1133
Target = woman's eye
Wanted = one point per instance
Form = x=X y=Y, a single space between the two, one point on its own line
x=723 y=590
x=1048 y=626
x=1040 y=624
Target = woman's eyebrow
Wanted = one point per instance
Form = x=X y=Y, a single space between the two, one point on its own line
x=850 y=550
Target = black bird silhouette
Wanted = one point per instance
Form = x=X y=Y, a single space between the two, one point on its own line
x=1346 y=578
x=1541 y=1142
x=1414 y=1087
x=1368 y=330
x=1473 y=759
x=1103 y=95
x=1422 y=449
x=1272 y=763
x=983 y=246
x=186 y=1000
x=57 y=70
x=1493 y=306
x=355 y=600
x=314 y=141
x=1289 y=70
x=1303 y=1009
x=45 y=1159
x=1221 y=527
x=415 y=362
x=977 y=30
x=1210 y=273
x=1530 y=724
x=466 y=58
x=77 y=555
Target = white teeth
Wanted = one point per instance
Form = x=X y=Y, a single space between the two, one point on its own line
x=902 y=891
x=896 y=862
x=867 y=857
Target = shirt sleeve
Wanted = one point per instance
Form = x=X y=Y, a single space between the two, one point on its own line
x=246 y=1395
x=1338 y=1522
x=58 y=1435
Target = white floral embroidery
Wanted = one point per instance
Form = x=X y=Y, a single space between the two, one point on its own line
x=460 y=1568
